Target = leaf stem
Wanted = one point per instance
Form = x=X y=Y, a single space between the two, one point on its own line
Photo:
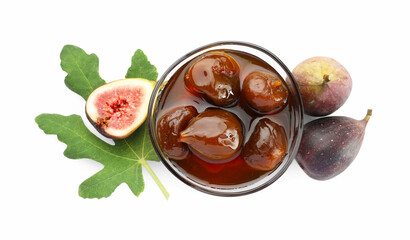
x=156 y=179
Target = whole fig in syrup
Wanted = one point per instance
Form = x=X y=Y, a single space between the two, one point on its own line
x=168 y=128
x=215 y=74
x=266 y=146
x=214 y=135
x=264 y=92
x=330 y=144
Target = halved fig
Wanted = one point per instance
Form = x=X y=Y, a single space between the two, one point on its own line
x=118 y=108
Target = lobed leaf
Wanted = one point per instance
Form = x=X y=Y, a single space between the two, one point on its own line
x=141 y=67
x=82 y=70
x=122 y=162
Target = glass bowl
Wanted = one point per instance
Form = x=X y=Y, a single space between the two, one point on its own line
x=295 y=119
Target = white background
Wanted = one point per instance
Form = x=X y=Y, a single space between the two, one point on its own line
x=39 y=186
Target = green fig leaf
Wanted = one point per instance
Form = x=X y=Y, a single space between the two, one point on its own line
x=122 y=161
x=82 y=70
x=141 y=67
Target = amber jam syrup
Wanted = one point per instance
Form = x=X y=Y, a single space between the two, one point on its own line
x=236 y=172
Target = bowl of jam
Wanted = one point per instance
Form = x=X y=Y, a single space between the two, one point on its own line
x=226 y=118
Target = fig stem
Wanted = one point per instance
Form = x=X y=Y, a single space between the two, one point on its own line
x=368 y=115
x=326 y=78
x=156 y=179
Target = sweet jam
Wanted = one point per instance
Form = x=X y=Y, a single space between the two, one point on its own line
x=179 y=95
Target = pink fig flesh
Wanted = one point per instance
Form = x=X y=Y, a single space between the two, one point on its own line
x=118 y=108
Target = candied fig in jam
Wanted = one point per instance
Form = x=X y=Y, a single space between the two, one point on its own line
x=215 y=74
x=264 y=92
x=214 y=134
x=168 y=128
x=266 y=146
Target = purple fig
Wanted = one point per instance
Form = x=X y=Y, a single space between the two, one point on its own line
x=330 y=144
x=324 y=85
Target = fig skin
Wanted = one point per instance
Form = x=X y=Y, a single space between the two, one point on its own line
x=329 y=145
x=215 y=135
x=264 y=92
x=324 y=85
x=266 y=147
x=169 y=126
x=215 y=74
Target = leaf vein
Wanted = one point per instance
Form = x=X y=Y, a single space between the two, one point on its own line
x=82 y=72
x=132 y=150
x=91 y=143
x=109 y=178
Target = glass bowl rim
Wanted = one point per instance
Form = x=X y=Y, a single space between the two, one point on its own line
x=197 y=186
